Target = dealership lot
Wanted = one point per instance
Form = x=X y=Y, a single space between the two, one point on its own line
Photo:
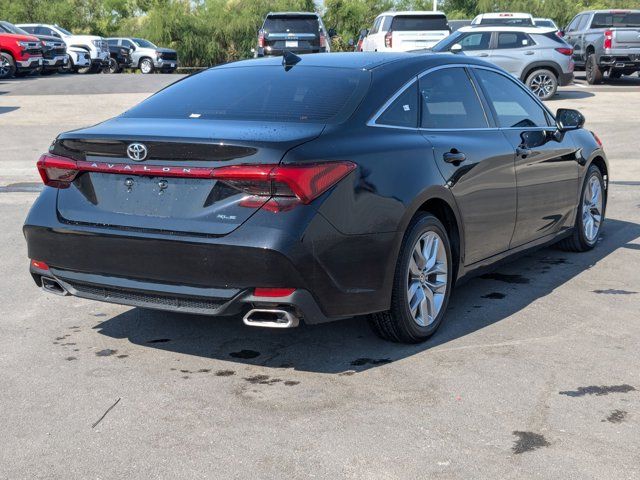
x=535 y=374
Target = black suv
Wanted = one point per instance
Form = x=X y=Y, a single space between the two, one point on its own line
x=297 y=32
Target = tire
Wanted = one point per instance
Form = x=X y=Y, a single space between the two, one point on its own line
x=583 y=238
x=146 y=66
x=7 y=66
x=543 y=83
x=593 y=71
x=84 y=70
x=113 y=67
x=400 y=323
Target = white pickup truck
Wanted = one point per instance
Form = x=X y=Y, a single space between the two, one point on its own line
x=95 y=46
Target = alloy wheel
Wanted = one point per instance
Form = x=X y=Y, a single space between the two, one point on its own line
x=427 y=278
x=542 y=85
x=145 y=66
x=5 y=67
x=592 y=209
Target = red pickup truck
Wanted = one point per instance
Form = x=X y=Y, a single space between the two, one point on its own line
x=19 y=54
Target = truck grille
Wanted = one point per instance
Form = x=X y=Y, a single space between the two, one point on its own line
x=36 y=51
x=169 y=55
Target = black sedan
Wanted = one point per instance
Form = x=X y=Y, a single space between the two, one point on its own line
x=315 y=189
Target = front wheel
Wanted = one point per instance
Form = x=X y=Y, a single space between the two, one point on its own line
x=146 y=66
x=7 y=66
x=543 y=83
x=422 y=284
x=590 y=214
x=113 y=67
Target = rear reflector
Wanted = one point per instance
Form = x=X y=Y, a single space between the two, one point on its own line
x=273 y=292
x=37 y=264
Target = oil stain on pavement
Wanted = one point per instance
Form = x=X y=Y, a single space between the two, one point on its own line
x=598 y=390
x=528 y=441
x=617 y=416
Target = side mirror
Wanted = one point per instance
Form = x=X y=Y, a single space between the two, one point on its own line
x=456 y=48
x=332 y=32
x=568 y=119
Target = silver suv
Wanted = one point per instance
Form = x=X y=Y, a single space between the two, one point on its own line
x=537 y=56
x=146 y=56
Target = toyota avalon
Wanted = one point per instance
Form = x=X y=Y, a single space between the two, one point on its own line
x=311 y=189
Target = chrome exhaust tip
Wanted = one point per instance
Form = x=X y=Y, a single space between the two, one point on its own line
x=53 y=286
x=270 y=318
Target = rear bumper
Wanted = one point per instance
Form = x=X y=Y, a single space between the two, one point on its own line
x=333 y=274
x=621 y=60
x=272 y=52
x=565 y=79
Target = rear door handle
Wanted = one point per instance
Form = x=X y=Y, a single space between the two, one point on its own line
x=454 y=156
x=529 y=52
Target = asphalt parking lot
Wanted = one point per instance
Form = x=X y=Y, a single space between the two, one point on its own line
x=536 y=373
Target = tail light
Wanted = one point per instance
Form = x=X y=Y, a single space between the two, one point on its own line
x=261 y=39
x=560 y=33
x=388 y=39
x=597 y=139
x=565 y=51
x=57 y=172
x=302 y=182
x=323 y=41
x=608 y=39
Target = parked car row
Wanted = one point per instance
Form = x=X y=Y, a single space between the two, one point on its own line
x=34 y=47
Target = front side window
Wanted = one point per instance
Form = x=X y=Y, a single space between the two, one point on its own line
x=450 y=101
x=513 y=40
x=403 y=112
x=142 y=43
x=512 y=104
x=126 y=43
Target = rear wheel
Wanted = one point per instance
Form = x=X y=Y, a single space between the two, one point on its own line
x=422 y=284
x=113 y=67
x=593 y=71
x=543 y=83
x=7 y=66
x=590 y=214
x=146 y=66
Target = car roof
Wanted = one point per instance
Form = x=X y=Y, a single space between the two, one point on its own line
x=363 y=60
x=410 y=13
x=501 y=28
x=505 y=15
x=613 y=10
x=310 y=14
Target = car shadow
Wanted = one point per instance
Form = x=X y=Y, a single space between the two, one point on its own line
x=571 y=95
x=8 y=109
x=349 y=346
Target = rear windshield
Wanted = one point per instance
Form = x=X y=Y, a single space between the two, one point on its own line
x=616 y=19
x=507 y=21
x=408 y=23
x=260 y=93
x=545 y=23
x=291 y=23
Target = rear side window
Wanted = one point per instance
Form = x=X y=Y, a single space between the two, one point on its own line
x=386 y=24
x=616 y=20
x=291 y=23
x=513 y=40
x=403 y=112
x=261 y=93
x=514 y=107
x=406 y=23
x=449 y=101
x=376 y=25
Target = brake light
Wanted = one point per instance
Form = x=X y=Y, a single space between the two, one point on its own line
x=37 y=264
x=303 y=182
x=57 y=172
x=565 y=51
x=323 y=41
x=273 y=292
x=608 y=39
x=261 y=39
x=388 y=39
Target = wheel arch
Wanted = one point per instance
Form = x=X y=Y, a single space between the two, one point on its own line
x=145 y=57
x=599 y=161
x=555 y=68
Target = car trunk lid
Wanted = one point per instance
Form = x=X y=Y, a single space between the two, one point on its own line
x=626 y=38
x=171 y=187
x=411 y=32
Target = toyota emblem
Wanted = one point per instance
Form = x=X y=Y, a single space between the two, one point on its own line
x=137 y=152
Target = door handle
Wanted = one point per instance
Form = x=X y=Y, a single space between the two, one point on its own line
x=529 y=52
x=454 y=156
x=483 y=54
x=523 y=151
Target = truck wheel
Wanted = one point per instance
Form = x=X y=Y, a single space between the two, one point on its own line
x=113 y=67
x=84 y=70
x=422 y=284
x=593 y=71
x=543 y=83
x=7 y=66
x=146 y=66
